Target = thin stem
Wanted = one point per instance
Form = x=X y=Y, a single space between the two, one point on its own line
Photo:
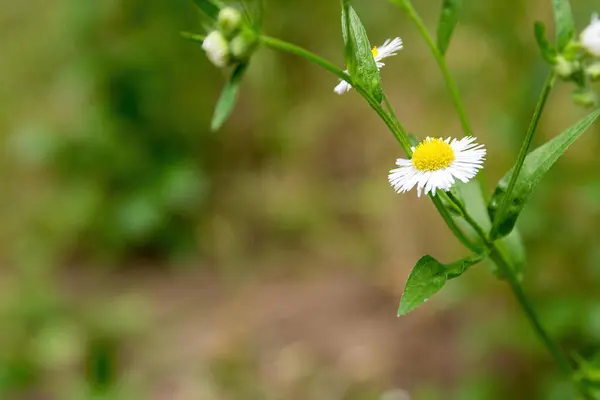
x=451 y=198
x=445 y=214
x=503 y=208
x=407 y=6
x=281 y=45
x=397 y=129
x=400 y=133
x=559 y=357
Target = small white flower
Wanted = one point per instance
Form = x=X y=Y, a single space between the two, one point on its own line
x=389 y=48
x=437 y=164
x=590 y=37
x=217 y=49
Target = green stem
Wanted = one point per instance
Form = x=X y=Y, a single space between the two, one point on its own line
x=451 y=223
x=400 y=133
x=407 y=6
x=559 y=357
x=451 y=198
x=397 y=129
x=504 y=205
x=495 y=254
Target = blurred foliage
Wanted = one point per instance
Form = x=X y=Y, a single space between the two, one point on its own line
x=106 y=115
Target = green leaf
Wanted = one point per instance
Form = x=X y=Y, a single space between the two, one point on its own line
x=565 y=26
x=359 y=55
x=447 y=23
x=546 y=49
x=536 y=164
x=228 y=97
x=254 y=11
x=511 y=247
x=428 y=277
x=209 y=7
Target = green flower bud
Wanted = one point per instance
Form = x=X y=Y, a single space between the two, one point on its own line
x=584 y=97
x=229 y=21
x=243 y=45
x=565 y=69
x=593 y=71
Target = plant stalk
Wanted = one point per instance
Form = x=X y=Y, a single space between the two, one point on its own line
x=407 y=6
x=503 y=208
x=390 y=119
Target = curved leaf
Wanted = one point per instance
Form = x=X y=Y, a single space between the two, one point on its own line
x=546 y=49
x=428 y=277
x=359 y=55
x=228 y=97
x=565 y=26
x=536 y=164
x=447 y=23
x=209 y=7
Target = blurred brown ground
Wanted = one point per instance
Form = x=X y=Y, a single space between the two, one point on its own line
x=300 y=248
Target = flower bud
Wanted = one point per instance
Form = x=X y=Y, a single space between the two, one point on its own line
x=243 y=45
x=590 y=37
x=584 y=97
x=217 y=49
x=593 y=71
x=564 y=68
x=229 y=21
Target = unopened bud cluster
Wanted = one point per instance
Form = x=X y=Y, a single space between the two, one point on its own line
x=579 y=62
x=232 y=41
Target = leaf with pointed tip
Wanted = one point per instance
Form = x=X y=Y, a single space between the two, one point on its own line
x=546 y=49
x=359 y=53
x=210 y=8
x=228 y=97
x=565 y=26
x=254 y=11
x=194 y=37
x=536 y=165
x=447 y=23
x=428 y=277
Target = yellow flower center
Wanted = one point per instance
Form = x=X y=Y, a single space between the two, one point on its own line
x=432 y=155
x=375 y=52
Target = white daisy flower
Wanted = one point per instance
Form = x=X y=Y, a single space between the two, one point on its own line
x=590 y=37
x=437 y=164
x=217 y=49
x=389 y=48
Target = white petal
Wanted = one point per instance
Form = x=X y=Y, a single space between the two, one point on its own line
x=389 y=48
x=342 y=87
x=217 y=49
x=469 y=158
x=590 y=36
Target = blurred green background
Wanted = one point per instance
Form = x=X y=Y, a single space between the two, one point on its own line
x=146 y=257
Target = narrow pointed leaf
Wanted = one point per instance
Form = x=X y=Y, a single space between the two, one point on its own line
x=546 y=49
x=565 y=26
x=228 y=97
x=359 y=55
x=536 y=165
x=428 y=277
x=254 y=12
x=209 y=7
x=511 y=247
x=193 y=37
x=447 y=23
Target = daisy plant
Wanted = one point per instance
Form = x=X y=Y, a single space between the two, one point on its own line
x=444 y=169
